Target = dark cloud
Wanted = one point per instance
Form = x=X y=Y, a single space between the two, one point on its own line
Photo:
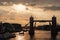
x=45 y=1
x=14 y=1
x=34 y=1
x=55 y=8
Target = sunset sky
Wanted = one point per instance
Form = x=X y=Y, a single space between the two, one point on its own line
x=19 y=11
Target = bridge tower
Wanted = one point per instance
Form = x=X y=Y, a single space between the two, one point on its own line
x=31 y=31
x=54 y=31
x=53 y=23
x=54 y=20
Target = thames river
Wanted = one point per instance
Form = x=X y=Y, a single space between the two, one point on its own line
x=39 y=35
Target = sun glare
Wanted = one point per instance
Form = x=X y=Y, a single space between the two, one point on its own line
x=19 y=7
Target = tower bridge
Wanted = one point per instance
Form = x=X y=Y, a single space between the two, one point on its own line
x=53 y=28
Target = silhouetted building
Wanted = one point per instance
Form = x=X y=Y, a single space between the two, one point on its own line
x=17 y=27
x=8 y=27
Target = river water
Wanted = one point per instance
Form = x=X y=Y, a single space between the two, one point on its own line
x=39 y=35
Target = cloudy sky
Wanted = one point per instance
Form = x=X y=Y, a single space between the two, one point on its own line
x=39 y=9
x=54 y=2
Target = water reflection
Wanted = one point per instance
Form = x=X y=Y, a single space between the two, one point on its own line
x=20 y=38
x=39 y=35
x=32 y=37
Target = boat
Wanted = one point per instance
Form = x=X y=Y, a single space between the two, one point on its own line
x=22 y=32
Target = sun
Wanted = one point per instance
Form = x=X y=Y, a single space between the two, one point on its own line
x=19 y=7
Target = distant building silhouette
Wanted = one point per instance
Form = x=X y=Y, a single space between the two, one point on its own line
x=17 y=27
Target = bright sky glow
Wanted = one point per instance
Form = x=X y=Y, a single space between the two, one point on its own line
x=19 y=7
